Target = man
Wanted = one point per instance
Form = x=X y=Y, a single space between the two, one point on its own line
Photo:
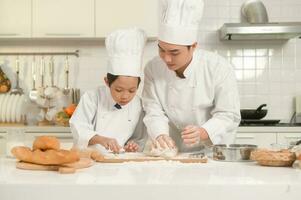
x=190 y=96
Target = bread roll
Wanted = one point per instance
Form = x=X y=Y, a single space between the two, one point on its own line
x=46 y=142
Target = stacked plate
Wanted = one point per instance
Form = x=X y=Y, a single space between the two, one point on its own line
x=11 y=108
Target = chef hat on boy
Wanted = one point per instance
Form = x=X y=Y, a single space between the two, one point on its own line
x=125 y=51
x=179 y=21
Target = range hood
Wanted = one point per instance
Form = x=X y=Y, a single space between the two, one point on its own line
x=257 y=26
x=266 y=31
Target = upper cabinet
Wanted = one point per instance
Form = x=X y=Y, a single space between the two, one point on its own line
x=75 y=18
x=15 y=18
x=63 y=18
x=115 y=14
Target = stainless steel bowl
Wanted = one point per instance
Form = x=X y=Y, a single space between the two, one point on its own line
x=233 y=152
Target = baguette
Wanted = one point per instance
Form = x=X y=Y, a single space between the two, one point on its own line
x=48 y=157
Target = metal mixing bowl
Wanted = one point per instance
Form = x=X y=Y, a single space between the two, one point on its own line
x=233 y=152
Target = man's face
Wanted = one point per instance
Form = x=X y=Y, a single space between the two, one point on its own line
x=175 y=56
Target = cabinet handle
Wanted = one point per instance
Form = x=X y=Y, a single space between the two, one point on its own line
x=293 y=137
x=66 y=137
x=62 y=34
x=9 y=34
x=245 y=136
x=59 y=136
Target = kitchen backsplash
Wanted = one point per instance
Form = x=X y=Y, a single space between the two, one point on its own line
x=267 y=71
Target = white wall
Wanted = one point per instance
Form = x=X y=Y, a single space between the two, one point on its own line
x=267 y=72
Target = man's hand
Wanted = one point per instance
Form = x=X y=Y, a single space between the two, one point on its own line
x=131 y=146
x=193 y=134
x=165 y=142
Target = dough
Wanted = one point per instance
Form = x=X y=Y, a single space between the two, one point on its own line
x=157 y=150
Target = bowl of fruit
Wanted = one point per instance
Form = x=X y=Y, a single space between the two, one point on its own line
x=62 y=117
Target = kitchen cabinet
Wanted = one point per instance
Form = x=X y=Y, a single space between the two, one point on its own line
x=260 y=139
x=287 y=138
x=15 y=18
x=115 y=14
x=63 y=18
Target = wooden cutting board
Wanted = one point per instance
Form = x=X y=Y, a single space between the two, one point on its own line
x=140 y=157
x=65 y=168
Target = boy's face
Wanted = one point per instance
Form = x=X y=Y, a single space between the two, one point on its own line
x=175 y=56
x=123 y=89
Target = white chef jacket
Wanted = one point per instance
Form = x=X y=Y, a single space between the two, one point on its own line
x=96 y=115
x=206 y=97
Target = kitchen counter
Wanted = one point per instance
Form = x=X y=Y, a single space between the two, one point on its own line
x=153 y=180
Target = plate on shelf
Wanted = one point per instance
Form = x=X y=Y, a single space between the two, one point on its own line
x=8 y=108
x=2 y=96
x=3 y=111
x=19 y=108
x=14 y=108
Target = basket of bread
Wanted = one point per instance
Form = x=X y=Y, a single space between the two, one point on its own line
x=275 y=158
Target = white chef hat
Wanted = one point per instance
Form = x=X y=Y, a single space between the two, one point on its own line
x=125 y=51
x=179 y=21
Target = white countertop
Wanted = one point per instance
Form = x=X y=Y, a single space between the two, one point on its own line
x=153 y=180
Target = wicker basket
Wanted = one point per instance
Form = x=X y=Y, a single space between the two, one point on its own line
x=283 y=158
x=275 y=163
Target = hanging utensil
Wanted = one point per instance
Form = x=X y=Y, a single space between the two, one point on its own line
x=51 y=71
x=51 y=91
x=72 y=96
x=77 y=96
x=17 y=89
x=42 y=72
x=66 y=90
x=33 y=93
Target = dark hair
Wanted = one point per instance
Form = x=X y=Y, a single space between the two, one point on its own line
x=111 y=78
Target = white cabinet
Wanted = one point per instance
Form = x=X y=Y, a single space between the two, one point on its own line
x=63 y=18
x=115 y=14
x=260 y=139
x=287 y=138
x=15 y=18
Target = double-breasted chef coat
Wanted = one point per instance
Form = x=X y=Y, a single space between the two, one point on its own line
x=206 y=97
